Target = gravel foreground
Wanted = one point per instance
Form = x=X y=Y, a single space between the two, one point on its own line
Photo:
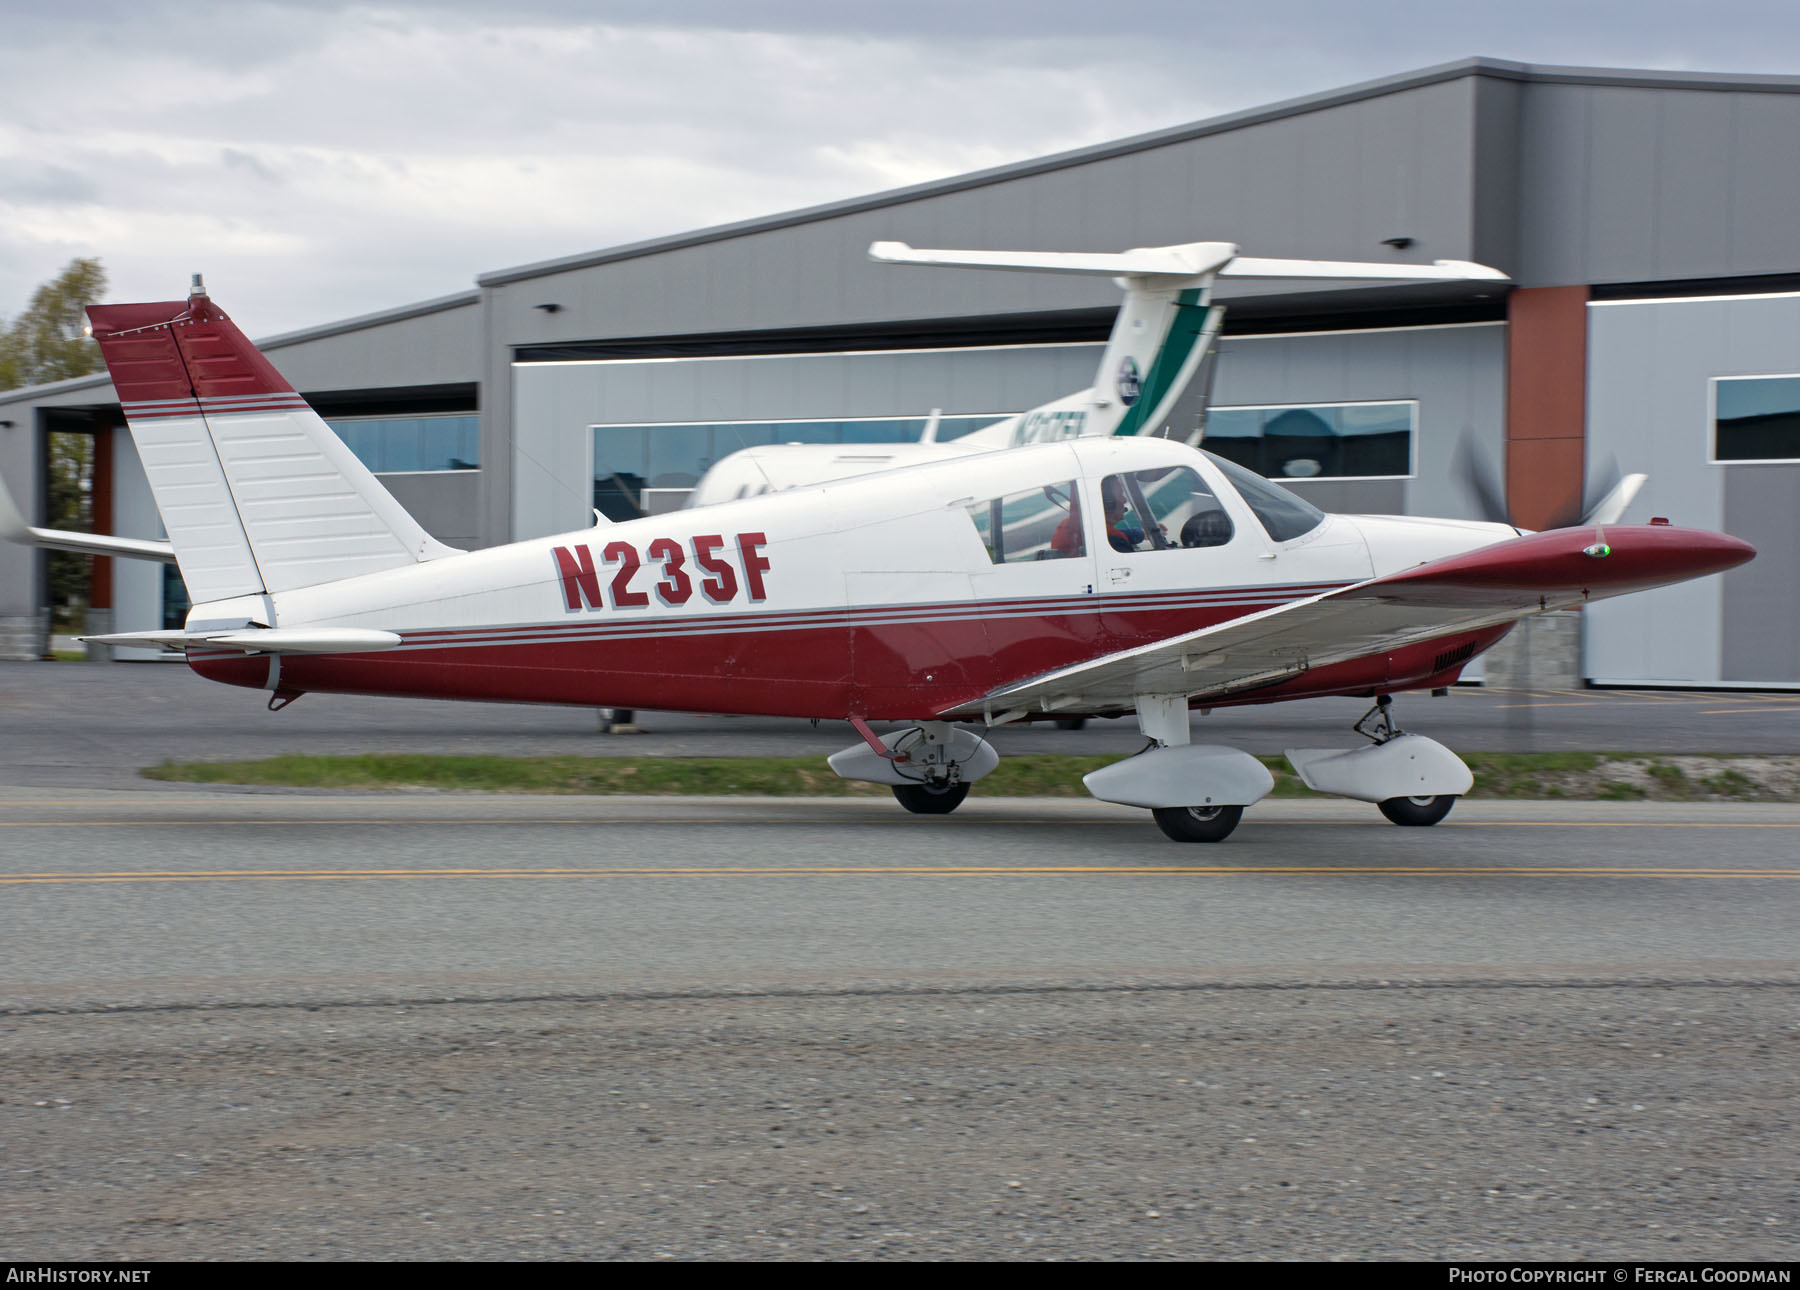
x=1524 y=1121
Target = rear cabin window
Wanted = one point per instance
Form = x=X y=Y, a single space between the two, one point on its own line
x=1167 y=509
x=1037 y=524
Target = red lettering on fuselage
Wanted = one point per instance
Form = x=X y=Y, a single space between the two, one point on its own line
x=722 y=586
x=676 y=586
x=624 y=554
x=580 y=581
x=580 y=577
x=750 y=547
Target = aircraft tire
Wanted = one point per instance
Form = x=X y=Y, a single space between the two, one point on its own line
x=1417 y=812
x=924 y=799
x=1197 y=823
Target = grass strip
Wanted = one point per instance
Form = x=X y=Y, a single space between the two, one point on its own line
x=1568 y=775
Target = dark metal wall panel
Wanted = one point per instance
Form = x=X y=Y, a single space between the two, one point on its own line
x=1499 y=108
x=1554 y=140
x=1694 y=186
x=1619 y=240
x=440 y=348
x=1761 y=627
x=1631 y=184
x=1764 y=146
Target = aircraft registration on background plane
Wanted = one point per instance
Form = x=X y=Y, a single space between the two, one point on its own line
x=1066 y=562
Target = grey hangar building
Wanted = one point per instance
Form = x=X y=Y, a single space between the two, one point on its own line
x=1647 y=220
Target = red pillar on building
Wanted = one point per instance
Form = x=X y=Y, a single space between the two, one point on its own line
x=100 y=498
x=1546 y=403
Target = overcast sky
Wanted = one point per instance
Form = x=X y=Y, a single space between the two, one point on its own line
x=319 y=160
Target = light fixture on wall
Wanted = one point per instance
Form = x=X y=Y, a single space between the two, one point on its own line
x=6 y=425
x=551 y=308
x=1398 y=243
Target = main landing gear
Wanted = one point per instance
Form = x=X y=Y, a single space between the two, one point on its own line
x=1417 y=812
x=1195 y=792
x=1413 y=781
x=1197 y=823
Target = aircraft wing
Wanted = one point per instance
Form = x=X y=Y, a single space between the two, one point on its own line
x=1496 y=584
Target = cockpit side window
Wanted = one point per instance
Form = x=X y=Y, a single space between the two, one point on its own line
x=1284 y=515
x=1165 y=509
x=1037 y=524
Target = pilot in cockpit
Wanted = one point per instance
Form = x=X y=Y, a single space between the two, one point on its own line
x=1122 y=531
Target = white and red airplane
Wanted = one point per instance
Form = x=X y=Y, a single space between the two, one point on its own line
x=1095 y=574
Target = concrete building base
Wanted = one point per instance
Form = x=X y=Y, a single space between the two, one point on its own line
x=99 y=623
x=1541 y=653
x=22 y=636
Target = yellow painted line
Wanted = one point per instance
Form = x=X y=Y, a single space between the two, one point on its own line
x=923 y=871
x=1586 y=702
x=1721 y=712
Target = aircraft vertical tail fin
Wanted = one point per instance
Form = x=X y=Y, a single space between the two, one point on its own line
x=257 y=493
x=1163 y=331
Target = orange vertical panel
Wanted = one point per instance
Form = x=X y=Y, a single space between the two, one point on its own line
x=1546 y=403
x=100 y=585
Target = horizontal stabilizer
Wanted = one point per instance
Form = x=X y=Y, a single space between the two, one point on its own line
x=14 y=529
x=260 y=640
x=1187 y=261
x=1446 y=270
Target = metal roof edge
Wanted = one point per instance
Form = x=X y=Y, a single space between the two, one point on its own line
x=32 y=393
x=400 y=313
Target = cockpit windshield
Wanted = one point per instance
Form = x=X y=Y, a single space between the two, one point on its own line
x=1284 y=515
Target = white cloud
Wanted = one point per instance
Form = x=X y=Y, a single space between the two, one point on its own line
x=321 y=160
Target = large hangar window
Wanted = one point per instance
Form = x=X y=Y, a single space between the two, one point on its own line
x=1317 y=440
x=632 y=460
x=394 y=445
x=1756 y=418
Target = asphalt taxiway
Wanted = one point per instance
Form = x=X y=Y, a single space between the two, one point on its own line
x=244 y=1024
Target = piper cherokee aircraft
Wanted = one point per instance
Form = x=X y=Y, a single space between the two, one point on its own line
x=1092 y=575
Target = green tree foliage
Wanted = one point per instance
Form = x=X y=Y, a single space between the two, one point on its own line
x=49 y=342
